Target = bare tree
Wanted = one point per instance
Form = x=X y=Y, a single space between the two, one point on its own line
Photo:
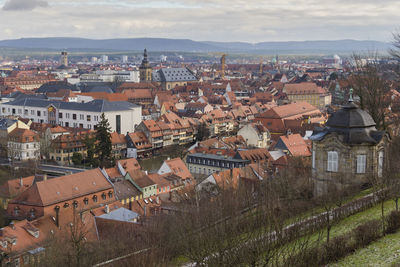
x=372 y=90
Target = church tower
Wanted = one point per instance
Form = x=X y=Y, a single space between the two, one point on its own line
x=145 y=70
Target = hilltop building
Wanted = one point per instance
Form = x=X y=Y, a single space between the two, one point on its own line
x=348 y=150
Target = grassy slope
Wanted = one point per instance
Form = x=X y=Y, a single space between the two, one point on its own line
x=383 y=252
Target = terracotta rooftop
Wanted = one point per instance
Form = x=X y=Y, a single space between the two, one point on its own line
x=47 y=192
x=117 y=138
x=296 y=145
x=14 y=187
x=179 y=168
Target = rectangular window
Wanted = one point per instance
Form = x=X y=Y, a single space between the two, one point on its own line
x=332 y=161
x=313 y=159
x=60 y=115
x=32 y=112
x=89 y=119
x=380 y=163
x=74 y=116
x=118 y=123
x=38 y=113
x=361 y=163
x=67 y=115
x=81 y=116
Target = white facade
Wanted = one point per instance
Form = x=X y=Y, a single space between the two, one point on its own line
x=111 y=76
x=23 y=151
x=122 y=121
x=253 y=137
x=164 y=169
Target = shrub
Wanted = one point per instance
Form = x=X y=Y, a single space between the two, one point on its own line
x=308 y=257
x=367 y=232
x=337 y=248
x=393 y=222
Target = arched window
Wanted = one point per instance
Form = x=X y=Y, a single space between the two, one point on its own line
x=332 y=161
x=94 y=198
x=86 y=201
x=103 y=196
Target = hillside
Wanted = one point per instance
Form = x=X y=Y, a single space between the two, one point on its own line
x=186 y=45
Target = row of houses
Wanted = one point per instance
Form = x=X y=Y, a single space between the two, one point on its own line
x=41 y=208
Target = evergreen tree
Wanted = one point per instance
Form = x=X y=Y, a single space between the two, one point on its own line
x=103 y=145
x=90 y=150
x=203 y=132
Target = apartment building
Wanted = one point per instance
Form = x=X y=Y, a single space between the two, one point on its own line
x=82 y=115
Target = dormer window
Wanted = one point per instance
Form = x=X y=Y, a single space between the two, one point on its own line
x=86 y=201
x=110 y=194
x=75 y=204
x=32 y=213
x=94 y=198
x=16 y=211
x=104 y=196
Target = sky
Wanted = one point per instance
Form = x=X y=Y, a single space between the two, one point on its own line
x=202 y=20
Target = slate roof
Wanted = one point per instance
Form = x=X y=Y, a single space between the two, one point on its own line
x=97 y=105
x=173 y=75
x=5 y=123
x=121 y=214
x=53 y=87
x=354 y=124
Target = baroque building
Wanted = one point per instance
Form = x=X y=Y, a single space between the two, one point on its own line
x=145 y=70
x=348 y=150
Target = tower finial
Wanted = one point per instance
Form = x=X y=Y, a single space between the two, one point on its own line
x=351 y=95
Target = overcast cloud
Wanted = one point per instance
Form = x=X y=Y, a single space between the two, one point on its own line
x=219 y=20
x=14 y=5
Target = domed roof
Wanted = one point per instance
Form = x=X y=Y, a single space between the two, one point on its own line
x=350 y=116
x=354 y=125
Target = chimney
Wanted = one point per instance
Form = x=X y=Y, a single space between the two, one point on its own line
x=21 y=182
x=107 y=209
x=45 y=177
x=57 y=208
x=144 y=210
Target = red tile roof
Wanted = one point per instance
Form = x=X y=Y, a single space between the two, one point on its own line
x=47 y=192
x=296 y=145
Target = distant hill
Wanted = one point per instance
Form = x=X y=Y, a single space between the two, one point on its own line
x=186 y=45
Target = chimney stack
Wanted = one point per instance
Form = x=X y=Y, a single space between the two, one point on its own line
x=107 y=209
x=21 y=182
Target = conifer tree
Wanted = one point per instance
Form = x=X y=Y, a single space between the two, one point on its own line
x=103 y=139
